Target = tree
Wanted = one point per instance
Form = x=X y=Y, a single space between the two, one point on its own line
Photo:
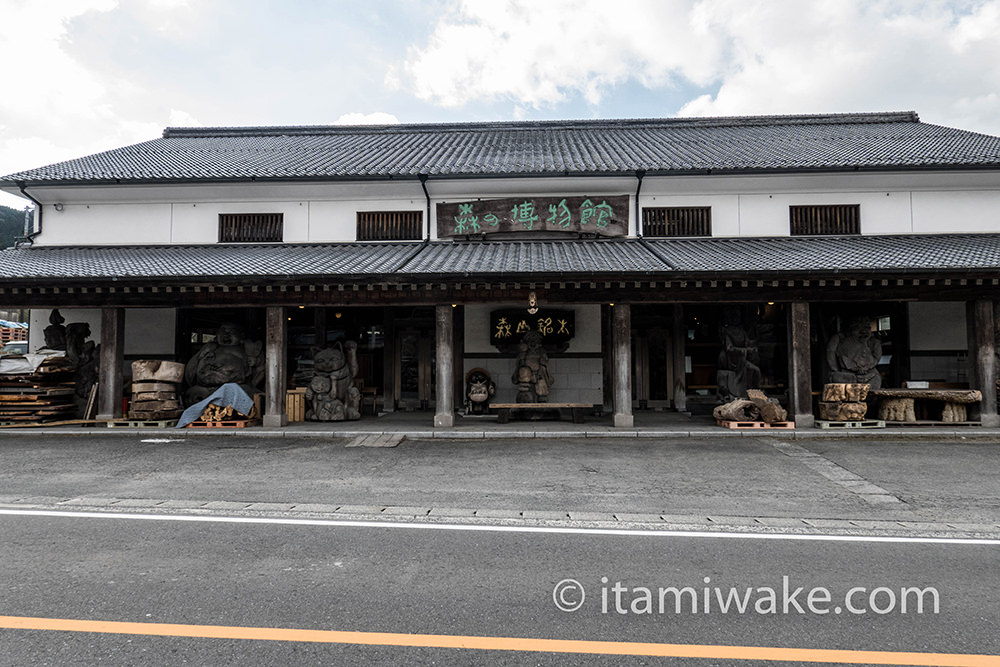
x=11 y=225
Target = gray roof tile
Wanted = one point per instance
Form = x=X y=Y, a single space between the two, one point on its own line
x=569 y=260
x=674 y=145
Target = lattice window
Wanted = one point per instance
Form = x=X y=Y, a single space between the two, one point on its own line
x=390 y=225
x=251 y=227
x=825 y=220
x=677 y=221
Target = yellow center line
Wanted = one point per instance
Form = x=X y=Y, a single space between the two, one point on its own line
x=503 y=643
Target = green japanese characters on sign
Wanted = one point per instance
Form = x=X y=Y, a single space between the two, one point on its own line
x=599 y=215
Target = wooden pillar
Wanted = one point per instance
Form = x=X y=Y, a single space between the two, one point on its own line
x=459 y=369
x=679 y=349
x=276 y=378
x=607 y=361
x=388 y=360
x=112 y=363
x=982 y=358
x=444 y=413
x=799 y=366
x=621 y=334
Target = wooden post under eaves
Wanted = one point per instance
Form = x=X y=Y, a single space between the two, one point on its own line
x=112 y=363
x=444 y=413
x=982 y=358
x=276 y=377
x=799 y=366
x=678 y=351
x=621 y=335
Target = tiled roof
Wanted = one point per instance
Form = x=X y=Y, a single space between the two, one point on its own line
x=675 y=145
x=917 y=252
x=571 y=260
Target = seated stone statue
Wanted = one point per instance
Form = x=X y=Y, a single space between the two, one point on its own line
x=736 y=367
x=531 y=371
x=229 y=358
x=332 y=395
x=853 y=354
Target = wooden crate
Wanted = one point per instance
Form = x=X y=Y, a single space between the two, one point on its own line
x=295 y=404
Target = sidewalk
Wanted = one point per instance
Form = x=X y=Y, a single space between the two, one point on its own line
x=671 y=471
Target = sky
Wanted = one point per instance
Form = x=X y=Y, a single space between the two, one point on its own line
x=84 y=76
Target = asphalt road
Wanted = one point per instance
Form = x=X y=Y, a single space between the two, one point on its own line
x=471 y=582
x=951 y=480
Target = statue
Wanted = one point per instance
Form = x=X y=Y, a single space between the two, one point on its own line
x=55 y=333
x=229 y=358
x=736 y=369
x=531 y=371
x=853 y=354
x=479 y=388
x=331 y=395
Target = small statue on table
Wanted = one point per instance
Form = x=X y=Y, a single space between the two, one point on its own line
x=853 y=355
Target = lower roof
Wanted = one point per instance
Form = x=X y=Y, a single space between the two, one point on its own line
x=580 y=259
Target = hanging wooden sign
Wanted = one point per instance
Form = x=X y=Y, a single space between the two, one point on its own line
x=603 y=216
x=510 y=324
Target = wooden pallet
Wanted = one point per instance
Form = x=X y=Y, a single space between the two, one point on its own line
x=141 y=423
x=864 y=423
x=754 y=425
x=926 y=422
x=233 y=423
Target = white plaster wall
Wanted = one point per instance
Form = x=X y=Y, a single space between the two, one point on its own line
x=105 y=224
x=148 y=331
x=937 y=325
x=747 y=205
x=199 y=222
x=960 y=211
x=577 y=380
x=336 y=221
x=767 y=215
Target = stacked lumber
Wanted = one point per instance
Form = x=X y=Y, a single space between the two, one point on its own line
x=45 y=395
x=843 y=402
x=155 y=390
x=225 y=413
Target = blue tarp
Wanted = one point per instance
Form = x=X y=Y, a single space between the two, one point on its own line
x=228 y=394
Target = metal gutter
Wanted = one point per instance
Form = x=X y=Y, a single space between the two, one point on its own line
x=29 y=238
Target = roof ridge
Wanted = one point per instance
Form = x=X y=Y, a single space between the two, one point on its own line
x=699 y=121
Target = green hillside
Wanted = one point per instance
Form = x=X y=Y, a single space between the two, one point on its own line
x=11 y=225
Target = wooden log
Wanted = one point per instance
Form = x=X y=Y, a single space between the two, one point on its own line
x=156 y=370
x=954 y=412
x=738 y=410
x=154 y=395
x=834 y=392
x=898 y=409
x=771 y=411
x=145 y=387
x=946 y=395
x=843 y=411
x=855 y=393
x=155 y=406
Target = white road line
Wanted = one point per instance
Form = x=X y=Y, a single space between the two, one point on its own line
x=555 y=530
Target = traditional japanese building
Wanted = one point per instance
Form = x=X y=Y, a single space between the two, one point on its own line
x=630 y=246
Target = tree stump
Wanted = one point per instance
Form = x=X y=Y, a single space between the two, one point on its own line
x=899 y=409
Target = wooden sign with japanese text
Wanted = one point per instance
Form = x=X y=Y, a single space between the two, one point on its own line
x=507 y=326
x=603 y=216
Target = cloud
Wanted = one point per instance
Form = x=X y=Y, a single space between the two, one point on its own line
x=377 y=118
x=739 y=57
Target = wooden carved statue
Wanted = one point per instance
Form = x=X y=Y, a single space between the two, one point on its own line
x=737 y=369
x=332 y=395
x=479 y=389
x=853 y=354
x=229 y=358
x=531 y=371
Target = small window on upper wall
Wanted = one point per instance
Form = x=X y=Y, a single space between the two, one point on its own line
x=677 y=221
x=251 y=227
x=825 y=220
x=390 y=225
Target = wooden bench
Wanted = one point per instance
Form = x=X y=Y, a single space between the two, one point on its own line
x=896 y=403
x=504 y=409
